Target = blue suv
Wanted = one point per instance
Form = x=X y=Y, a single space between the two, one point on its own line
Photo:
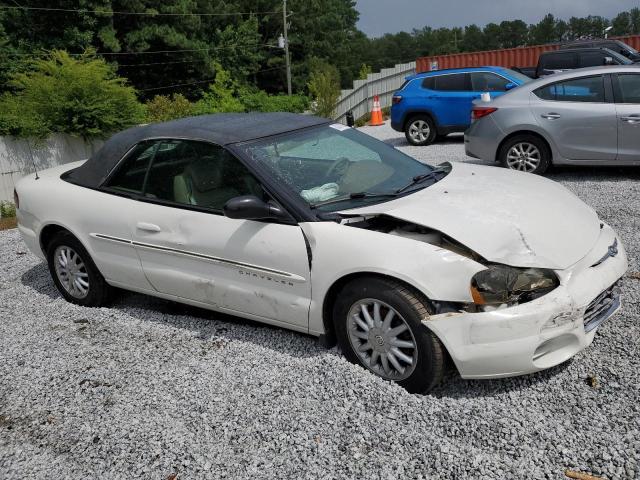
x=437 y=103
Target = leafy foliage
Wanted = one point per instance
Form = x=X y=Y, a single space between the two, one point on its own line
x=162 y=108
x=324 y=86
x=7 y=209
x=81 y=97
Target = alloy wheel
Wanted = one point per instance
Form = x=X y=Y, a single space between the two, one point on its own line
x=71 y=271
x=382 y=339
x=419 y=131
x=524 y=156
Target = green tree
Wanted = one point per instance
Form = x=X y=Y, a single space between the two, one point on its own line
x=621 y=24
x=222 y=95
x=473 y=39
x=162 y=108
x=365 y=71
x=544 y=31
x=80 y=96
x=324 y=86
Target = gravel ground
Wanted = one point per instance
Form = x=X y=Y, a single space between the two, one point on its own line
x=147 y=388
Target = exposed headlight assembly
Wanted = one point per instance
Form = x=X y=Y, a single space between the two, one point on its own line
x=501 y=284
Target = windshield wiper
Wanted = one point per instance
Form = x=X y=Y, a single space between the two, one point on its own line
x=421 y=178
x=353 y=196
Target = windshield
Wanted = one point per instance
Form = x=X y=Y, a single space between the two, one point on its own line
x=521 y=77
x=333 y=167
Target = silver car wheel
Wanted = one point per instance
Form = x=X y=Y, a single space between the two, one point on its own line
x=382 y=339
x=419 y=131
x=71 y=271
x=524 y=156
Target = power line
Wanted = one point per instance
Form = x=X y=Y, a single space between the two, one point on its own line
x=146 y=52
x=201 y=81
x=153 y=14
x=175 y=85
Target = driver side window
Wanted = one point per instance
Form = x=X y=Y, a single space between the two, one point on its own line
x=192 y=173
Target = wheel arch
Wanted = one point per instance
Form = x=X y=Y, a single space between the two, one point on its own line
x=525 y=132
x=408 y=116
x=328 y=322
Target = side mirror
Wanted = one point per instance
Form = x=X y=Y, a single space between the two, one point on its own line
x=609 y=61
x=510 y=86
x=250 y=207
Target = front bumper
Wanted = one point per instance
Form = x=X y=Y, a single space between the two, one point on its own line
x=540 y=334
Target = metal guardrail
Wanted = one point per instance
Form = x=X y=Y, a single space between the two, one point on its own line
x=383 y=84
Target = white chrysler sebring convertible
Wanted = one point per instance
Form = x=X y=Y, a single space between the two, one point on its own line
x=296 y=222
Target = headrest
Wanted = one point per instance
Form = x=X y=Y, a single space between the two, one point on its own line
x=205 y=173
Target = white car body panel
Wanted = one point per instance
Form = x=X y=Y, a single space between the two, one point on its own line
x=517 y=219
x=262 y=271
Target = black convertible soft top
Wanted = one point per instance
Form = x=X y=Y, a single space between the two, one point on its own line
x=221 y=129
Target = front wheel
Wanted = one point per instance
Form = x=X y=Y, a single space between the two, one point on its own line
x=525 y=153
x=379 y=326
x=420 y=130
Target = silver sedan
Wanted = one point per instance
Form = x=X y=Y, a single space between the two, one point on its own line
x=589 y=116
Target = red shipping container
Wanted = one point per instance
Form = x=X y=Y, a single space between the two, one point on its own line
x=510 y=57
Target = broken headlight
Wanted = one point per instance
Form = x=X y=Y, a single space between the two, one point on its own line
x=501 y=284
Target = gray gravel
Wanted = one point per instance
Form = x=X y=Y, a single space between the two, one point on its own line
x=147 y=388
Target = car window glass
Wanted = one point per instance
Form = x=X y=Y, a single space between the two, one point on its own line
x=332 y=161
x=590 y=89
x=559 y=62
x=488 y=82
x=629 y=88
x=592 y=59
x=132 y=170
x=199 y=174
x=429 y=83
x=451 y=83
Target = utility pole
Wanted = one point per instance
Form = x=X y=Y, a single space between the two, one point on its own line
x=286 y=46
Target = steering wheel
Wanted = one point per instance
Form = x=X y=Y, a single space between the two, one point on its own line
x=338 y=168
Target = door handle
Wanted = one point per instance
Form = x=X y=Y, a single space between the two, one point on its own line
x=551 y=116
x=631 y=119
x=148 y=227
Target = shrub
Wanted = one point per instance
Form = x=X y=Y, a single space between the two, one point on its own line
x=7 y=210
x=221 y=95
x=324 y=86
x=162 y=108
x=261 y=101
x=82 y=97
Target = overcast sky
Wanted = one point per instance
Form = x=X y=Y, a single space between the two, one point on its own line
x=390 y=16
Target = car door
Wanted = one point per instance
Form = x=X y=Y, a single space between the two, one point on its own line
x=579 y=116
x=109 y=225
x=190 y=250
x=452 y=99
x=627 y=95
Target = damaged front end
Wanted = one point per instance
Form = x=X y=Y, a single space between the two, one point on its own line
x=503 y=286
x=498 y=286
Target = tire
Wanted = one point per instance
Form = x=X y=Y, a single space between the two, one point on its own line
x=410 y=308
x=420 y=130
x=62 y=246
x=526 y=153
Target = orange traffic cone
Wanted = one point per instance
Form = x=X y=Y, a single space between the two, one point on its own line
x=376 y=113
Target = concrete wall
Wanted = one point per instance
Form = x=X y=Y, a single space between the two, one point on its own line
x=17 y=157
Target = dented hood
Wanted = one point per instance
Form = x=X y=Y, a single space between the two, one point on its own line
x=514 y=218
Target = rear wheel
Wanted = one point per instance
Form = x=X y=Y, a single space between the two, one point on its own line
x=379 y=326
x=420 y=130
x=74 y=273
x=525 y=153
